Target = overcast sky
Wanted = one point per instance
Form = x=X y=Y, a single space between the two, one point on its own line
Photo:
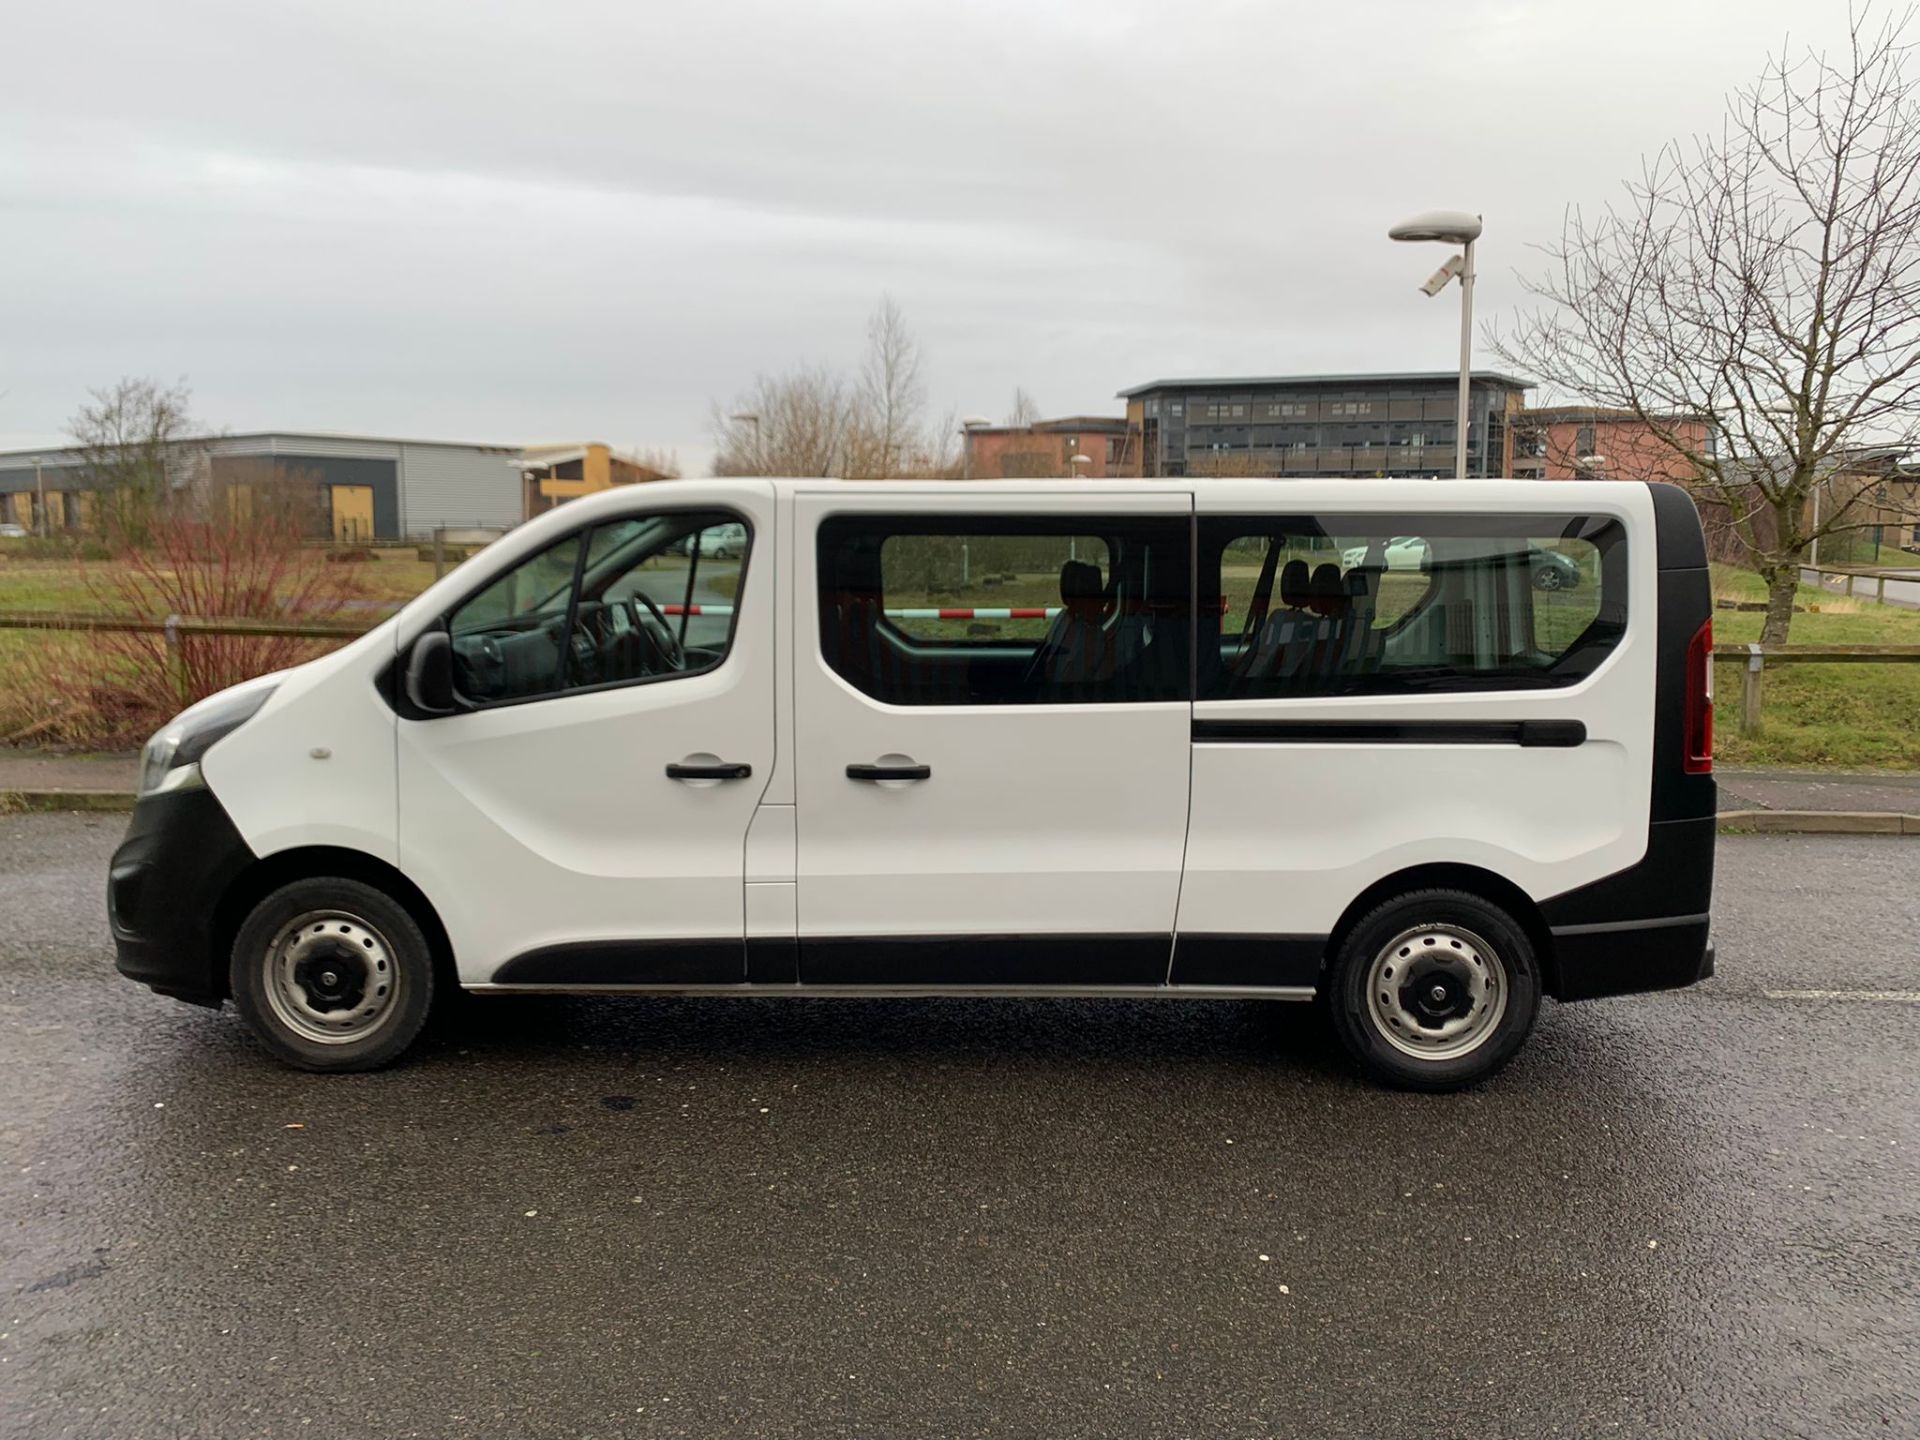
x=590 y=219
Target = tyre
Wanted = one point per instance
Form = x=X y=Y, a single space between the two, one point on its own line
x=1549 y=577
x=1434 y=990
x=332 y=974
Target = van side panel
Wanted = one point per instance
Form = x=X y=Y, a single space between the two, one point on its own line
x=1319 y=798
x=1646 y=928
x=316 y=765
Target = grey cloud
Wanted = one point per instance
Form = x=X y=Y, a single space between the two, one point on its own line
x=565 y=220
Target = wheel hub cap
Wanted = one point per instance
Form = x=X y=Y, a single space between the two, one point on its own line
x=330 y=977
x=1437 y=992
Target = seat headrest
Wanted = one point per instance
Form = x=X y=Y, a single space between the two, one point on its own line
x=1079 y=582
x=1329 y=590
x=1293 y=585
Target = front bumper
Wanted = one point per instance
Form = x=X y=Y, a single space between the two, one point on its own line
x=164 y=891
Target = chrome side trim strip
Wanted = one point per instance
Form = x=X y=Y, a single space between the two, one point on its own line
x=750 y=990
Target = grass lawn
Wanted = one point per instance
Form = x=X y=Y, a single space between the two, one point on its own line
x=1820 y=716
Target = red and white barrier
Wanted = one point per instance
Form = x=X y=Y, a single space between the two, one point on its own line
x=1034 y=612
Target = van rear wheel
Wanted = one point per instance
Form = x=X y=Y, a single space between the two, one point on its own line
x=332 y=974
x=1434 y=990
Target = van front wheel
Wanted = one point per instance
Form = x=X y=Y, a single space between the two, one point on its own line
x=332 y=974
x=1434 y=990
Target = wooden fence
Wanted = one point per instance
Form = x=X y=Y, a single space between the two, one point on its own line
x=1753 y=659
x=1854 y=574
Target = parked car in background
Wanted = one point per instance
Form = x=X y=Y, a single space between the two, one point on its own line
x=1552 y=570
x=717 y=542
x=13 y=532
x=723 y=542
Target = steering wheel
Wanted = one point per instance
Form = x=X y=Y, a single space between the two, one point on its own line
x=665 y=641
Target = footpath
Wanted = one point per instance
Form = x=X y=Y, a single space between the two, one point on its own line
x=1806 y=802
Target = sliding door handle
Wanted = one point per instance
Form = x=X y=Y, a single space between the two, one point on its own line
x=719 y=770
x=889 y=772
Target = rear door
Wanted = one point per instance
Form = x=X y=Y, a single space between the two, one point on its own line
x=1422 y=686
x=992 y=721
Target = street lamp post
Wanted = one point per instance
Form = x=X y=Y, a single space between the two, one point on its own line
x=1078 y=465
x=748 y=417
x=1451 y=227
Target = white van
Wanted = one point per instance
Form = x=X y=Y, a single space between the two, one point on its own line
x=1184 y=739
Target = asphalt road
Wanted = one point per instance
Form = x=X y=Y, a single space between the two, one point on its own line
x=1694 y=1214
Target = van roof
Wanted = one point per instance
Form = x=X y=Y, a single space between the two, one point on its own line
x=1317 y=490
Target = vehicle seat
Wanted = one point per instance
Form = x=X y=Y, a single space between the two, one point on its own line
x=1078 y=650
x=1329 y=601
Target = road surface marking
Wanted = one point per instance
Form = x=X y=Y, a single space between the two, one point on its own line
x=1889 y=997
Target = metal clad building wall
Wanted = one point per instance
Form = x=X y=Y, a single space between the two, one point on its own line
x=289 y=443
x=431 y=484
x=458 y=485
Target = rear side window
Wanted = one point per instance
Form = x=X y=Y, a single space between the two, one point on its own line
x=1332 y=605
x=926 y=610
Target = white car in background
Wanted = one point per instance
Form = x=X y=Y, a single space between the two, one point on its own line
x=13 y=532
x=1551 y=569
x=1404 y=552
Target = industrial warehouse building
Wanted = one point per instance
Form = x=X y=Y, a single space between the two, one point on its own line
x=359 y=487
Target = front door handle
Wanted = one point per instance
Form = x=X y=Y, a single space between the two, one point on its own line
x=889 y=772
x=720 y=770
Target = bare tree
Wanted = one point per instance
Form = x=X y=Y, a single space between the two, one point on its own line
x=1766 y=281
x=939 y=457
x=136 y=448
x=1024 y=411
x=890 y=395
x=665 y=463
x=797 y=423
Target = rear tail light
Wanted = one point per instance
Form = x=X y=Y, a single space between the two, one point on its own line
x=1698 y=746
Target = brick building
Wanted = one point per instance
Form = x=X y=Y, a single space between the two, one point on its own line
x=1582 y=442
x=1046 y=448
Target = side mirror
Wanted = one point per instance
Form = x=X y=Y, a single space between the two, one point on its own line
x=430 y=674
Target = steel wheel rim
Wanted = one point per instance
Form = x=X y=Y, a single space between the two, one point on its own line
x=1436 y=992
x=331 y=977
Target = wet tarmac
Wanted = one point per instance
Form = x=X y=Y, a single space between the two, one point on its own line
x=1692 y=1214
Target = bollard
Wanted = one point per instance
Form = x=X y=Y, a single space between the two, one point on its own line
x=1750 y=692
x=439 y=556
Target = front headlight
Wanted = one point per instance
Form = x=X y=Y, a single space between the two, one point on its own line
x=171 y=760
